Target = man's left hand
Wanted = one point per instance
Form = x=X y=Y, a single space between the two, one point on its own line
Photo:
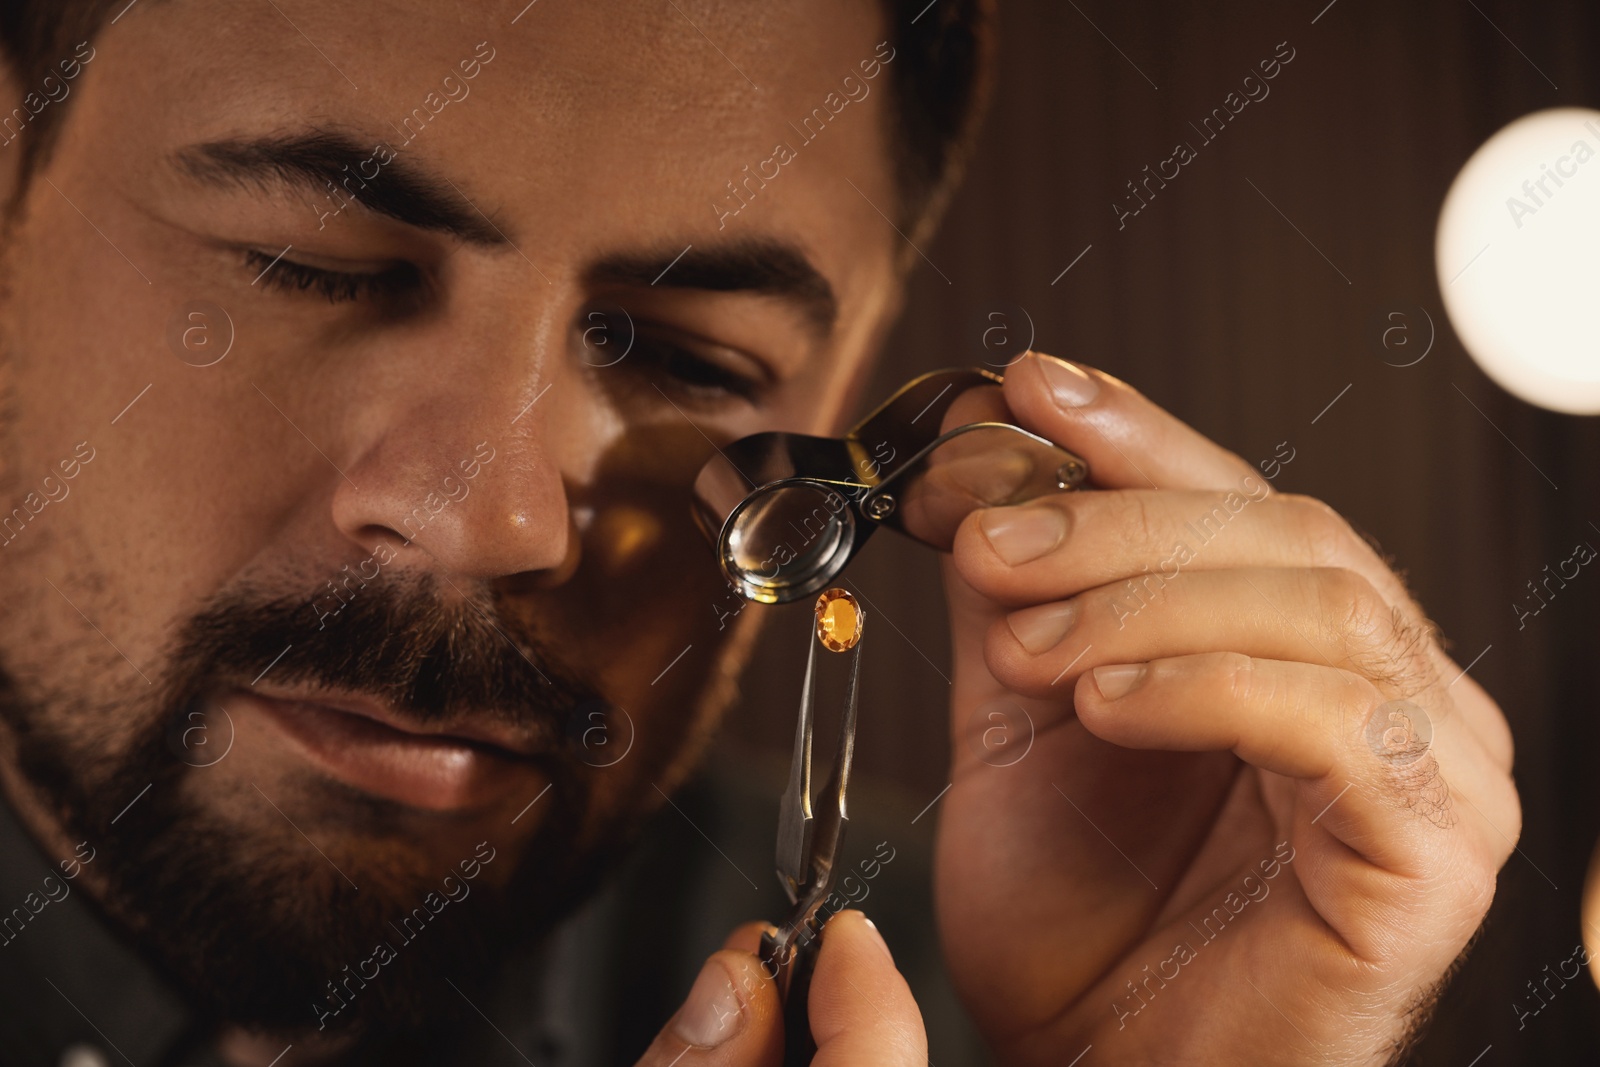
x=1250 y=811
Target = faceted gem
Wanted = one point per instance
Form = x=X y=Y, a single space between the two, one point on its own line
x=839 y=620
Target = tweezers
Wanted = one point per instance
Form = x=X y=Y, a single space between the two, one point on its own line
x=809 y=841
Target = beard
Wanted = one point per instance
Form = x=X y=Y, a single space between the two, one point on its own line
x=253 y=926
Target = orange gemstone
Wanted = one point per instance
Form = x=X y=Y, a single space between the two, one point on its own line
x=839 y=620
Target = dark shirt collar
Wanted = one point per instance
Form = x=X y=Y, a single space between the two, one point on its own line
x=66 y=978
x=73 y=993
x=594 y=993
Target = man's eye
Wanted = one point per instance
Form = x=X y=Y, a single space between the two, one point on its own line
x=692 y=372
x=676 y=361
x=399 y=282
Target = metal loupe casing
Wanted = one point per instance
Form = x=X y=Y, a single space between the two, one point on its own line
x=786 y=512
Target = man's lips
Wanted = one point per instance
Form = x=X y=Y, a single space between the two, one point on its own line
x=365 y=744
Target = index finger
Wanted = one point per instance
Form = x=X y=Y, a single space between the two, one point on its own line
x=1129 y=442
x=861 y=1008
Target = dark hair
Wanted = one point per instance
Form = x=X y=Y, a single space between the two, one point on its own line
x=34 y=35
x=939 y=81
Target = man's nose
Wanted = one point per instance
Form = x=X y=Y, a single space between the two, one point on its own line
x=463 y=489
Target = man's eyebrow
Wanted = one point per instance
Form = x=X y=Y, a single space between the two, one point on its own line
x=399 y=190
x=765 y=267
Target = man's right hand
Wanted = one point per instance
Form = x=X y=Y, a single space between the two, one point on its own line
x=861 y=1008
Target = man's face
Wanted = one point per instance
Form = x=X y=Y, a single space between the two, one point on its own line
x=405 y=578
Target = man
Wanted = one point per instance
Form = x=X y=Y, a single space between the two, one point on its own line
x=359 y=358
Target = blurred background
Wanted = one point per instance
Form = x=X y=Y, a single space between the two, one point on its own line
x=1256 y=297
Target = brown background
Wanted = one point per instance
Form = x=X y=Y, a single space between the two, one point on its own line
x=1215 y=307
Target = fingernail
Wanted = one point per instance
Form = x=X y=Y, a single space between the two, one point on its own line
x=712 y=1013
x=1042 y=628
x=1018 y=535
x=1118 y=680
x=1069 y=386
x=877 y=935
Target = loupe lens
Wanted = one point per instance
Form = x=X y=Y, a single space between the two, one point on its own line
x=817 y=499
x=788 y=540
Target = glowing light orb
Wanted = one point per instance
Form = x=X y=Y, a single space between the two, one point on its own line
x=1518 y=258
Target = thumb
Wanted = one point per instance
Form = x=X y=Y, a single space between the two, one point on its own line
x=1128 y=441
x=731 y=1018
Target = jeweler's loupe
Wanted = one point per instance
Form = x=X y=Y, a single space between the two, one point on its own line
x=787 y=511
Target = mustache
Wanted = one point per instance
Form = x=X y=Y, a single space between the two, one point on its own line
x=431 y=652
x=432 y=658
